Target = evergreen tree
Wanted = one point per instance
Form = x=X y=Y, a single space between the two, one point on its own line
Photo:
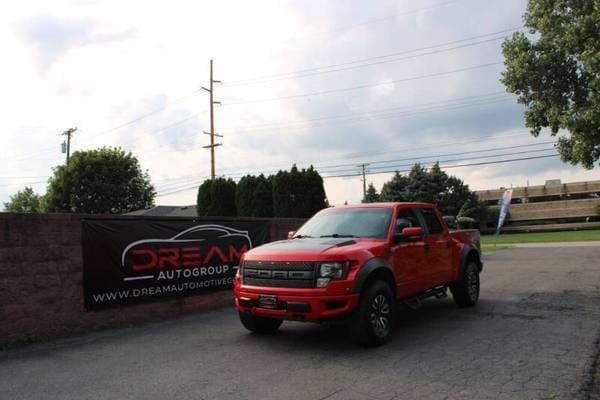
x=298 y=193
x=473 y=208
x=455 y=194
x=245 y=196
x=253 y=197
x=372 y=195
x=449 y=193
x=395 y=188
x=216 y=197
x=263 y=197
x=316 y=199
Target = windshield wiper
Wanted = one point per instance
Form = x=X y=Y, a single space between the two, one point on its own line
x=301 y=237
x=338 y=235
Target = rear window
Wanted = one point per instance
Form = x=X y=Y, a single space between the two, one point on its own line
x=432 y=221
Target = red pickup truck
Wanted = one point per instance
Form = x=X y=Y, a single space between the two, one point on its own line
x=358 y=262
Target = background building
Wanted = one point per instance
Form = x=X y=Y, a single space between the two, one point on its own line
x=552 y=206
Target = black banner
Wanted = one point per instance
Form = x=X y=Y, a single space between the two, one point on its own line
x=128 y=261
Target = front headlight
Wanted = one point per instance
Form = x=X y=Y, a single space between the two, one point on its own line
x=331 y=270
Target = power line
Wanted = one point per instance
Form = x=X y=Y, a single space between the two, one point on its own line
x=396 y=15
x=419 y=108
x=369 y=61
x=467 y=140
x=194 y=186
x=358 y=118
x=130 y=122
x=445 y=155
x=369 y=116
x=492 y=98
x=283 y=98
x=22 y=183
x=453 y=166
x=418 y=77
x=434 y=160
x=144 y=116
x=437 y=106
x=377 y=19
x=24 y=177
x=333 y=173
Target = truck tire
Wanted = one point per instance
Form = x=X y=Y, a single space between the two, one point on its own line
x=373 y=320
x=466 y=291
x=257 y=324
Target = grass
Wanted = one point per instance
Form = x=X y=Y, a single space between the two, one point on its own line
x=488 y=241
x=490 y=248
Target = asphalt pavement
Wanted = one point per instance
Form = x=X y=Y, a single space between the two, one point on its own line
x=534 y=335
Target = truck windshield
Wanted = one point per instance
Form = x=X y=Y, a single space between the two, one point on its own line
x=348 y=222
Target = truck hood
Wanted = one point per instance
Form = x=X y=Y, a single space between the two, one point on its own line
x=310 y=249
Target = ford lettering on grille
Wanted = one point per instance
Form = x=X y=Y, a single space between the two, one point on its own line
x=279 y=274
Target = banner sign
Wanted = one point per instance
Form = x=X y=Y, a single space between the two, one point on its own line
x=505 y=203
x=127 y=261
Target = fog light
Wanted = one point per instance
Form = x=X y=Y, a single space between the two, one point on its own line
x=323 y=282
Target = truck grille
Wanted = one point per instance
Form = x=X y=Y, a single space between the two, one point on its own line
x=291 y=274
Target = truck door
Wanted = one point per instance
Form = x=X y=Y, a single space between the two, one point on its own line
x=438 y=249
x=407 y=257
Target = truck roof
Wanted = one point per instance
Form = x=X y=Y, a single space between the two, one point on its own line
x=386 y=205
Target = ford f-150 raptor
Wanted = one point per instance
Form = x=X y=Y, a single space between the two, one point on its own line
x=358 y=262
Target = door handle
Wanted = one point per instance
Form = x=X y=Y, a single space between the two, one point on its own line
x=427 y=247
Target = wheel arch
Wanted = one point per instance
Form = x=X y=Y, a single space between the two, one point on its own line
x=374 y=269
x=469 y=253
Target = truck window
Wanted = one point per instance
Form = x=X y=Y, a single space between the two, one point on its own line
x=433 y=222
x=406 y=219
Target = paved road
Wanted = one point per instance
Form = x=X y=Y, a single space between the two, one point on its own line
x=531 y=337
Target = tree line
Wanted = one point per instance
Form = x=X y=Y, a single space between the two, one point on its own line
x=453 y=197
x=295 y=193
x=110 y=180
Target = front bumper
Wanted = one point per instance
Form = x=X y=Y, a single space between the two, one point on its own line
x=298 y=307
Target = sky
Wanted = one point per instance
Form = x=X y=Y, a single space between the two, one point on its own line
x=334 y=84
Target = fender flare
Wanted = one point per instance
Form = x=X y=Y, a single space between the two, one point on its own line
x=371 y=266
x=464 y=256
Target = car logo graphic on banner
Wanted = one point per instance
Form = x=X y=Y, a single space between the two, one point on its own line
x=197 y=247
x=128 y=260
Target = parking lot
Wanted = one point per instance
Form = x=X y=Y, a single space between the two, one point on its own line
x=534 y=335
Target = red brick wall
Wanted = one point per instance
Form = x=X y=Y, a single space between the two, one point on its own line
x=41 y=290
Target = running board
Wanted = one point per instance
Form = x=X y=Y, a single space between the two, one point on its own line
x=415 y=303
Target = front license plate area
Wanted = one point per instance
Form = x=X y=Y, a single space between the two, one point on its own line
x=267 y=301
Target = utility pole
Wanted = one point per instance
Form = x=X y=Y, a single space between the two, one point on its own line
x=363 y=166
x=212 y=133
x=68 y=133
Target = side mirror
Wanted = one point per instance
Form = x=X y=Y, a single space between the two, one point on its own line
x=291 y=234
x=412 y=232
x=409 y=234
